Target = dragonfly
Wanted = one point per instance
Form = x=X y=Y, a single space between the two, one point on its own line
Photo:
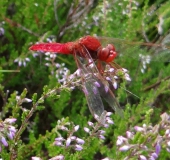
x=97 y=67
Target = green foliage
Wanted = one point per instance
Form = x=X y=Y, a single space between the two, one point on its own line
x=42 y=105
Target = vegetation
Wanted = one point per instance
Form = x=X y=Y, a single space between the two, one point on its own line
x=45 y=117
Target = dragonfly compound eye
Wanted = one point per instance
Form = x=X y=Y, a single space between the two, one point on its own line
x=110 y=47
x=103 y=54
x=107 y=54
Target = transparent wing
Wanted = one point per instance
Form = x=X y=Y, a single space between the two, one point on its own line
x=95 y=85
x=111 y=100
x=155 y=51
x=93 y=97
x=90 y=89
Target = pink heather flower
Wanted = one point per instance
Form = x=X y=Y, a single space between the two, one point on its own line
x=127 y=77
x=108 y=114
x=78 y=72
x=3 y=140
x=58 y=143
x=73 y=137
x=111 y=70
x=142 y=157
x=167 y=132
x=108 y=78
x=106 y=88
x=80 y=141
x=27 y=100
x=109 y=121
x=18 y=98
x=116 y=77
x=168 y=143
x=35 y=54
x=10 y=135
x=24 y=63
x=115 y=85
x=96 y=116
x=72 y=88
x=120 y=140
x=157 y=148
x=151 y=158
x=10 y=120
x=47 y=53
x=142 y=70
x=27 y=59
x=78 y=147
x=12 y=131
x=47 y=64
x=101 y=132
x=168 y=150
x=124 y=70
x=2 y=31
x=59 y=139
x=53 y=55
x=35 y=158
x=71 y=77
x=64 y=128
x=90 y=124
x=154 y=155
x=86 y=129
x=85 y=91
x=19 y=63
x=68 y=141
x=105 y=158
x=76 y=128
x=102 y=137
x=129 y=134
x=106 y=126
x=97 y=84
x=59 y=157
x=124 y=148
x=138 y=129
x=144 y=125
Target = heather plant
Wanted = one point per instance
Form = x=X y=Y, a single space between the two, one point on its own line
x=44 y=112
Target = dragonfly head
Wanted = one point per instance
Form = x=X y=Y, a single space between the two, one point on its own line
x=107 y=54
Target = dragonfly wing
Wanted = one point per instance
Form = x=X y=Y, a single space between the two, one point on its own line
x=155 y=51
x=94 y=92
x=90 y=89
x=93 y=97
x=111 y=100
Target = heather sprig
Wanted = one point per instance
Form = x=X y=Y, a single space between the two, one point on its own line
x=147 y=141
x=70 y=141
x=94 y=129
x=73 y=142
x=7 y=131
x=22 y=61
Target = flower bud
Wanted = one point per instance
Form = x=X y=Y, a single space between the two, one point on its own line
x=76 y=128
x=86 y=129
x=124 y=148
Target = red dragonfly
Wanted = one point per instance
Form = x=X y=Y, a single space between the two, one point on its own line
x=97 y=68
